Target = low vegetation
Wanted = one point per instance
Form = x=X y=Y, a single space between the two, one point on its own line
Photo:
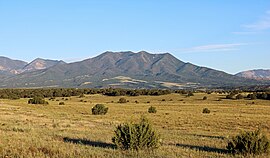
x=136 y=136
x=206 y=111
x=62 y=103
x=152 y=109
x=249 y=143
x=74 y=131
x=37 y=100
x=99 y=109
x=122 y=100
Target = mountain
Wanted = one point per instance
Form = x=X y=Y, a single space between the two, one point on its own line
x=39 y=64
x=9 y=67
x=126 y=70
x=258 y=74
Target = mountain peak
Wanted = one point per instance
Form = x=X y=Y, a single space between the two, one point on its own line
x=258 y=74
x=9 y=65
x=40 y=64
x=140 y=70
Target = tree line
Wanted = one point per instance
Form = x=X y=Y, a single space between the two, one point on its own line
x=68 y=92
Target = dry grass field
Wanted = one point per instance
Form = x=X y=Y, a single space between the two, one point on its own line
x=71 y=130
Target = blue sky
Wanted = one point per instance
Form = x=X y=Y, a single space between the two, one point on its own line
x=231 y=35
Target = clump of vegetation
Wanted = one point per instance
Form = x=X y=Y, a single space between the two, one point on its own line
x=122 y=100
x=163 y=100
x=152 y=109
x=252 y=96
x=239 y=96
x=81 y=96
x=148 y=102
x=254 y=143
x=37 y=100
x=62 y=103
x=99 y=109
x=230 y=96
x=136 y=136
x=205 y=98
x=190 y=94
x=206 y=111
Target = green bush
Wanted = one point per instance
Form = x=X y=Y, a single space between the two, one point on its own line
x=206 y=111
x=37 y=100
x=254 y=143
x=190 y=94
x=152 y=110
x=99 y=109
x=81 y=96
x=239 y=96
x=136 y=136
x=252 y=96
x=205 y=98
x=230 y=96
x=122 y=100
x=61 y=103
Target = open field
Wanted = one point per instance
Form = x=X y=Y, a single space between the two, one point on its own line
x=71 y=130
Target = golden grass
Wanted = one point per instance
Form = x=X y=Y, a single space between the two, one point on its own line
x=71 y=130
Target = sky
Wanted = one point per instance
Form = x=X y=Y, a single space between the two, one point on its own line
x=231 y=35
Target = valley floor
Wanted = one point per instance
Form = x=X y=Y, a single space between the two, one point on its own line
x=71 y=130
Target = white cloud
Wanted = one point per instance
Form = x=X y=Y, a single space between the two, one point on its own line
x=214 y=48
x=262 y=24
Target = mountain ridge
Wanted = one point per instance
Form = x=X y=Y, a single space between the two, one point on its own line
x=258 y=74
x=126 y=70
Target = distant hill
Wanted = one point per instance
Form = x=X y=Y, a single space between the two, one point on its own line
x=40 y=64
x=125 y=70
x=9 y=67
x=259 y=74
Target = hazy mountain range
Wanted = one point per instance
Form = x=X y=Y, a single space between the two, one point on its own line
x=259 y=74
x=115 y=69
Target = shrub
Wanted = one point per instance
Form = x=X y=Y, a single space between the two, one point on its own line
x=37 y=100
x=81 y=95
x=122 y=100
x=205 y=98
x=206 y=111
x=190 y=94
x=254 y=143
x=136 y=136
x=61 y=103
x=99 y=109
x=252 y=96
x=239 y=96
x=152 y=109
x=163 y=100
x=230 y=96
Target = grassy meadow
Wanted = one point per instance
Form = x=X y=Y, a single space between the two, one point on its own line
x=71 y=130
